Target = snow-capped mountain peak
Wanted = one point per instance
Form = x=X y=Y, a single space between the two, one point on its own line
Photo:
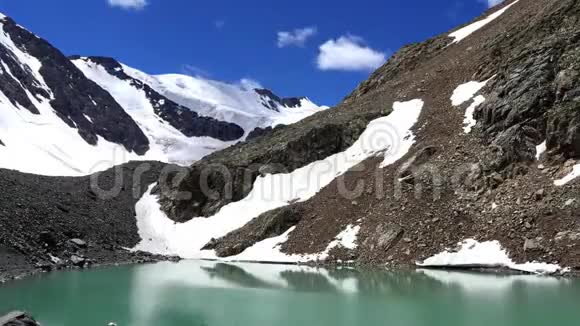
x=232 y=102
x=79 y=115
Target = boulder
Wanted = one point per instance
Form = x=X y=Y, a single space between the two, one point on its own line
x=387 y=234
x=267 y=225
x=532 y=244
x=78 y=261
x=78 y=242
x=17 y=318
x=48 y=239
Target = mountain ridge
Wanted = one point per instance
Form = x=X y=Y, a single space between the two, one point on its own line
x=62 y=101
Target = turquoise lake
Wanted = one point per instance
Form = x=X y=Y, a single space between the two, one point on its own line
x=199 y=293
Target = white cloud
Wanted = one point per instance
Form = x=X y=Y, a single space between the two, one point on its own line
x=297 y=37
x=249 y=84
x=492 y=3
x=128 y=4
x=194 y=71
x=349 y=53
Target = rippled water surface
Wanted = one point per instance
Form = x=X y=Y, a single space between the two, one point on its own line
x=193 y=293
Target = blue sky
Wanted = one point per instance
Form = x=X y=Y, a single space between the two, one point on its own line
x=320 y=49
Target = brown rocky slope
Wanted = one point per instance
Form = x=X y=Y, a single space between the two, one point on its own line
x=487 y=184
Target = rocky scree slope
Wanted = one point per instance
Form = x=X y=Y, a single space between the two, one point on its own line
x=51 y=223
x=494 y=183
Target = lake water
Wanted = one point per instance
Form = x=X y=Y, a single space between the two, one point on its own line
x=194 y=293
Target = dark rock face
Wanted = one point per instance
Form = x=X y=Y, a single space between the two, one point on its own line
x=260 y=132
x=181 y=118
x=229 y=175
x=268 y=225
x=18 y=318
x=78 y=101
x=273 y=101
x=535 y=95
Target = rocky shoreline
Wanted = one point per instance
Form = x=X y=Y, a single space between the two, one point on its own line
x=56 y=223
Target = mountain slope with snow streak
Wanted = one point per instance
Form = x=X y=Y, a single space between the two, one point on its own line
x=493 y=91
x=162 y=236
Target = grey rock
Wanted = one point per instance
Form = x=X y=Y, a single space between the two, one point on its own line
x=17 y=318
x=387 y=234
x=532 y=244
x=572 y=236
x=78 y=242
x=78 y=261
x=539 y=195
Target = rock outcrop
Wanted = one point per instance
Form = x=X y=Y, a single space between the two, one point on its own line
x=18 y=318
x=229 y=175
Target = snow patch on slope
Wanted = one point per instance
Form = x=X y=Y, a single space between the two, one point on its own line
x=464 y=32
x=270 y=249
x=568 y=178
x=469 y=122
x=541 y=149
x=489 y=254
x=466 y=92
x=163 y=236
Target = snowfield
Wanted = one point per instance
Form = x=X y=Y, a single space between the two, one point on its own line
x=235 y=103
x=388 y=136
x=167 y=144
x=568 y=178
x=464 y=32
x=490 y=254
